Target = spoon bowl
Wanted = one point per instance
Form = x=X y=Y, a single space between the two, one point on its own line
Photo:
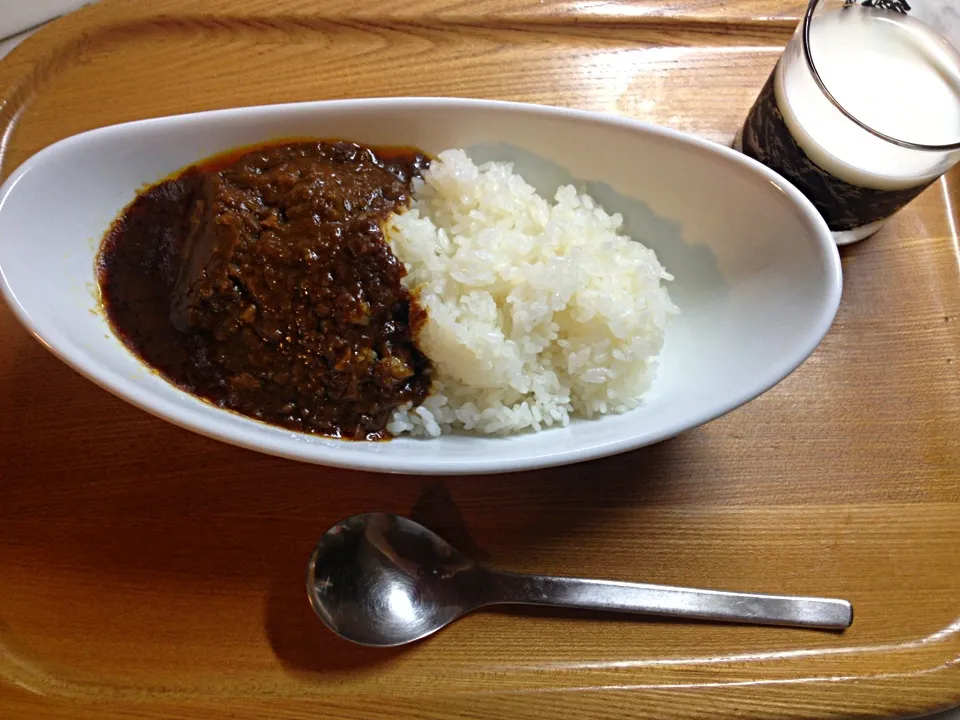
x=384 y=580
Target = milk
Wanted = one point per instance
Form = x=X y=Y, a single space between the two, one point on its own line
x=892 y=73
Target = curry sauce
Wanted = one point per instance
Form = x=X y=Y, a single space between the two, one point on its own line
x=261 y=281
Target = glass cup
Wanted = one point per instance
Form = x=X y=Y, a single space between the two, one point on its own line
x=862 y=111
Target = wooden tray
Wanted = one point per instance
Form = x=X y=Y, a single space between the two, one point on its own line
x=147 y=572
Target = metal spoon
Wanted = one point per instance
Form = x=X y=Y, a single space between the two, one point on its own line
x=383 y=580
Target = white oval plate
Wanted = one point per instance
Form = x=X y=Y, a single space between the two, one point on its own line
x=757 y=274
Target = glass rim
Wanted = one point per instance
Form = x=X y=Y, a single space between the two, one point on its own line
x=808 y=58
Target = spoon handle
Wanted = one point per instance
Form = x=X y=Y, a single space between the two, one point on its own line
x=812 y=612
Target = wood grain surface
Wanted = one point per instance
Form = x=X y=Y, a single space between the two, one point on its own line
x=149 y=573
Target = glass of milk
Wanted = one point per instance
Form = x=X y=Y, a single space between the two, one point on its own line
x=862 y=111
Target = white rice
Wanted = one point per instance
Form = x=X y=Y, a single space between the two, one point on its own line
x=537 y=312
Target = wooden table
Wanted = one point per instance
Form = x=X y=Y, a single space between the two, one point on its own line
x=147 y=572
